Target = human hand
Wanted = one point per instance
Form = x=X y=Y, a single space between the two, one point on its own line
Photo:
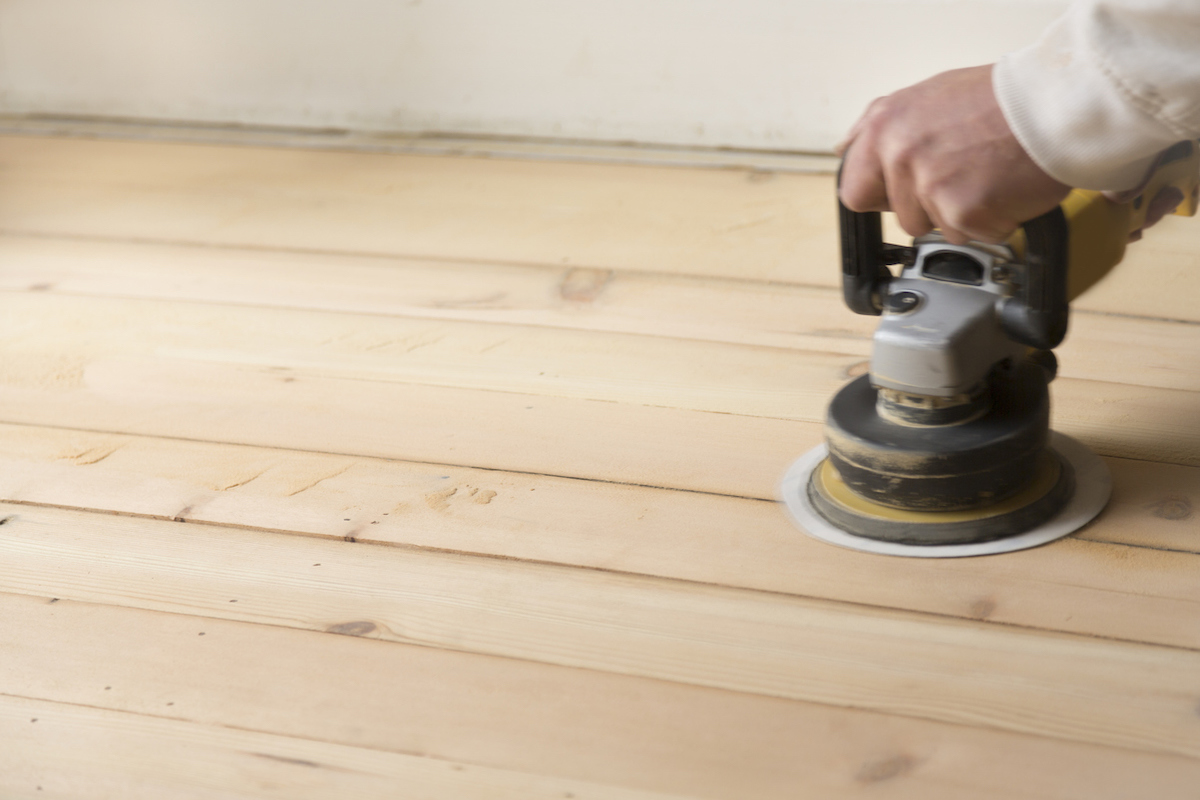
x=1165 y=200
x=1163 y=203
x=940 y=154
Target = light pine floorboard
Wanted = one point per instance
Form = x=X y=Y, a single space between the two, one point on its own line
x=1125 y=587
x=756 y=224
x=1100 y=346
x=336 y=474
x=533 y=718
x=951 y=670
x=67 y=751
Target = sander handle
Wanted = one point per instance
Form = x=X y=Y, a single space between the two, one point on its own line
x=865 y=257
x=864 y=273
x=1065 y=251
x=1036 y=316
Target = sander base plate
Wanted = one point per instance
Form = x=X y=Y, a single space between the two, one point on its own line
x=1093 y=485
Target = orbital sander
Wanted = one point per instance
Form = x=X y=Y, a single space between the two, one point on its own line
x=944 y=448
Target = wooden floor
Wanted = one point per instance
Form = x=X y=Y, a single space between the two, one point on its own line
x=348 y=475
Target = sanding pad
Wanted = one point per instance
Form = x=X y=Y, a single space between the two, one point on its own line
x=1093 y=485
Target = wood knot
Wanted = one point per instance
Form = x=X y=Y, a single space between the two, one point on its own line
x=357 y=628
x=983 y=608
x=859 y=368
x=1174 y=509
x=885 y=769
x=583 y=285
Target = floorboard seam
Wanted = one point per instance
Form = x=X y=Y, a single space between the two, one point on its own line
x=668 y=579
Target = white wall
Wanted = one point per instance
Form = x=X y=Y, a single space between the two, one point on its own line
x=767 y=74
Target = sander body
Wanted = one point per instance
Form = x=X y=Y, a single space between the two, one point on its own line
x=944 y=448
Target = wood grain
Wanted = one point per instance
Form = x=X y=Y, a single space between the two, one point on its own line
x=532 y=718
x=663 y=219
x=199 y=372
x=59 y=750
x=955 y=671
x=1114 y=349
x=727 y=223
x=1107 y=581
x=457 y=474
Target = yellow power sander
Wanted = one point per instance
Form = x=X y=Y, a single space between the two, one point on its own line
x=944 y=448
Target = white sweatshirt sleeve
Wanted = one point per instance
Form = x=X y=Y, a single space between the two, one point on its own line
x=1109 y=84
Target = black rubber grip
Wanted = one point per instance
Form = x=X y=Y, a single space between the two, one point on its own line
x=864 y=274
x=1037 y=315
x=864 y=277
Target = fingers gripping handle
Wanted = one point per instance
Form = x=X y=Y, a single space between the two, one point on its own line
x=864 y=267
x=864 y=275
x=1035 y=316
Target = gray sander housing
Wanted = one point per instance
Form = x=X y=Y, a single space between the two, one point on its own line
x=940 y=334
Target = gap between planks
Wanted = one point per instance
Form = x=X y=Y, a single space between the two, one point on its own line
x=177 y=251
x=152 y=384
x=61 y=348
x=1146 y=351
x=996 y=678
x=541 y=719
x=707 y=222
x=562 y=436
x=1079 y=585
x=1139 y=620
x=63 y=750
x=17 y=247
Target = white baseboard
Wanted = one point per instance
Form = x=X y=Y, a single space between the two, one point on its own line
x=437 y=145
